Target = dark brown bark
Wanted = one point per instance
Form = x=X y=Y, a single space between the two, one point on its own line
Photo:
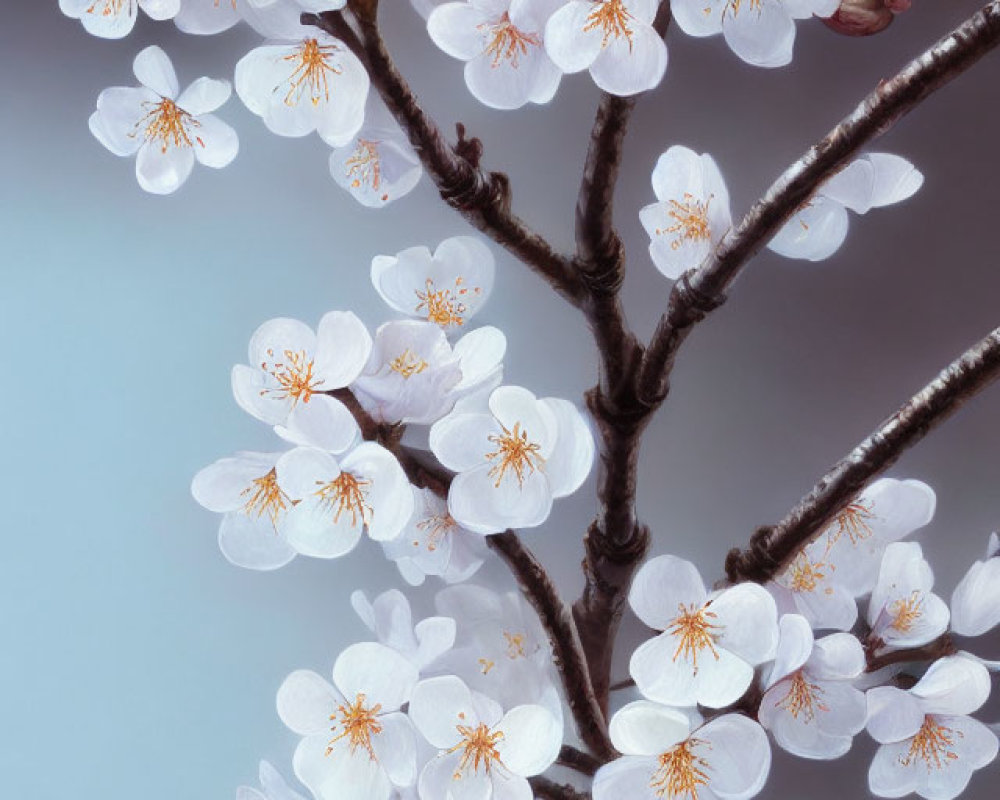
x=571 y=758
x=550 y=790
x=773 y=548
x=703 y=289
x=932 y=651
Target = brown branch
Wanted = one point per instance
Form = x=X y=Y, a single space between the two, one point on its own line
x=932 y=651
x=568 y=654
x=547 y=789
x=773 y=548
x=483 y=199
x=700 y=291
x=571 y=758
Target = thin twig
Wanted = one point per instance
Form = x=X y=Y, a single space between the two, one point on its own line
x=547 y=789
x=773 y=548
x=571 y=758
x=626 y=683
x=932 y=651
x=483 y=199
x=700 y=291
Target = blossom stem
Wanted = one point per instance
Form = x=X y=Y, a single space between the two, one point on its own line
x=548 y=789
x=574 y=759
x=773 y=548
x=938 y=648
x=483 y=199
x=702 y=290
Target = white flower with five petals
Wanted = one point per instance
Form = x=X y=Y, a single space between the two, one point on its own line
x=614 y=39
x=502 y=43
x=903 y=612
x=166 y=129
x=512 y=459
x=357 y=744
x=113 y=19
x=929 y=744
x=817 y=230
x=975 y=603
x=390 y=618
x=710 y=643
x=482 y=752
x=691 y=214
x=664 y=759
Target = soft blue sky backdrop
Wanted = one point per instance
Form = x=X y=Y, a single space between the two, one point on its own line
x=135 y=661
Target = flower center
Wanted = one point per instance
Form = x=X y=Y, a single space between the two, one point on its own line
x=932 y=745
x=611 y=17
x=804 y=575
x=680 y=772
x=515 y=453
x=803 y=698
x=695 y=632
x=690 y=221
x=437 y=528
x=906 y=611
x=109 y=8
x=365 y=166
x=853 y=521
x=346 y=493
x=169 y=124
x=311 y=72
x=407 y=364
x=266 y=497
x=508 y=43
x=445 y=307
x=294 y=376
x=358 y=724
x=515 y=645
x=479 y=748
x=485 y=665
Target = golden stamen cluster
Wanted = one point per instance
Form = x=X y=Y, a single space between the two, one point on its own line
x=611 y=17
x=680 y=772
x=294 y=376
x=695 y=631
x=515 y=645
x=932 y=745
x=515 y=453
x=109 y=8
x=804 y=574
x=803 y=698
x=312 y=72
x=690 y=221
x=479 y=748
x=853 y=521
x=364 y=165
x=266 y=497
x=438 y=527
x=169 y=124
x=445 y=307
x=358 y=724
x=407 y=364
x=347 y=493
x=507 y=42
x=906 y=611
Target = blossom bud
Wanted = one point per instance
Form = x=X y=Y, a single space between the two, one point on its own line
x=865 y=17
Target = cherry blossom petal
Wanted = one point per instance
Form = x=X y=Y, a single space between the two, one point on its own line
x=323 y=422
x=629 y=66
x=814 y=232
x=699 y=17
x=222 y=486
x=396 y=748
x=893 y=714
x=531 y=739
x=163 y=169
x=477 y=503
x=274 y=786
x=206 y=17
x=975 y=603
x=438 y=778
x=114 y=123
x=305 y=701
x=339 y=775
x=887 y=777
x=104 y=18
x=839 y=656
x=661 y=586
x=896 y=179
x=252 y=542
x=795 y=644
x=389 y=492
x=461 y=441
x=748 y=619
x=570 y=461
x=378 y=672
x=762 y=36
x=437 y=705
x=953 y=685
x=853 y=186
x=480 y=353
x=643 y=728
x=739 y=755
x=217 y=143
x=630 y=776
x=153 y=69
x=457 y=29
x=516 y=406
x=568 y=42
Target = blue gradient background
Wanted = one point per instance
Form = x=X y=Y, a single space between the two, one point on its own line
x=135 y=661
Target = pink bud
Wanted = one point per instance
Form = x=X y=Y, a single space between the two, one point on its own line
x=865 y=17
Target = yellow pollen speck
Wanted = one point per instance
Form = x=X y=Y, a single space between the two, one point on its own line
x=802 y=698
x=485 y=665
x=364 y=166
x=109 y=8
x=508 y=43
x=611 y=17
x=690 y=221
x=479 y=747
x=358 y=723
x=408 y=365
x=312 y=72
x=266 y=497
x=347 y=493
x=735 y=5
x=906 y=611
x=516 y=453
x=437 y=528
x=445 y=307
x=695 y=632
x=854 y=522
x=515 y=645
x=294 y=376
x=804 y=574
x=680 y=772
x=168 y=124
x=931 y=745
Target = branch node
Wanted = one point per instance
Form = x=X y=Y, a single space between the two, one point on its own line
x=756 y=563
x=469 y=149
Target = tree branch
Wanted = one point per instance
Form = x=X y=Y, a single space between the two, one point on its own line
x=700 y=291
x=932 y=651
x=571 y=758
x=547 y=789
x=483 y=199
x=773 y=548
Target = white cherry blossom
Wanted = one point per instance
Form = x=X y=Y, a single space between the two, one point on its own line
x=761 y=32
x=166 y=129
x=663 y=759
x=513 y=460
x=305 y=84
x=247 y=489
x=432 y=543
x=482 y=752
x=357 y=744
x=114 y=19
x=502 y=45
x=710 y=643
x=272 y=787
x=928 y=743
x=379 y=164
x=843 y=562
x=366 y=490
x=817 y=230
x=903 y=612
x=614 y=39
x=975 y=603
x=810 y=706
x=291 y=368
x=389 y=617
x=447 y=287
x=691 y=214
